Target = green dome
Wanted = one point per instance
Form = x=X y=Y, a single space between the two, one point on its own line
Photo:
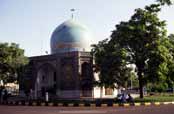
x=69 y=36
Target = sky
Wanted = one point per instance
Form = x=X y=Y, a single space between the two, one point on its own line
x=30 y=23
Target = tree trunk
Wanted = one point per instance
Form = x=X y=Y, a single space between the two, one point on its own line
x=140 y=83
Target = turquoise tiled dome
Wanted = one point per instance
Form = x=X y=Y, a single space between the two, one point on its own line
x=69 y=36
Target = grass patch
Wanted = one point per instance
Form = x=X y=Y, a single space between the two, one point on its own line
x=156 y=98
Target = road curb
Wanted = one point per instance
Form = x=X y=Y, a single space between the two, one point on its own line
x=51 y=104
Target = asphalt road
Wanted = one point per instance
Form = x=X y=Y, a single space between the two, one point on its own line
x=162 y=109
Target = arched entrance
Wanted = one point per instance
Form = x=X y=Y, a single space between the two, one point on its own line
x=86 y=80
x=46 y=81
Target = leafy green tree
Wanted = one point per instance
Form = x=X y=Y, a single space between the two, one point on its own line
x=157 y=87
x=170 y=75
x=12 y=59
x=167 y=2
x=110 y=63
x=141 y=41
x=164 y=76
x=141 y=36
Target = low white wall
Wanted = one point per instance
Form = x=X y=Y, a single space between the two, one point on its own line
x=97 y=93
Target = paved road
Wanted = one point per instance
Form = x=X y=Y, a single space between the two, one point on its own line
x=162 y=109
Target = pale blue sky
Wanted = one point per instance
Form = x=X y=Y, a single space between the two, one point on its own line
x=30 y=23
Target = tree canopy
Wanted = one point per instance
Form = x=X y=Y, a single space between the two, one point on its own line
x=142 y=41
x=165 y=2
x=110 y=61
x=12 y=59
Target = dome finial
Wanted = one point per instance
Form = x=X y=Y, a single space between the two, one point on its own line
x=72 y=13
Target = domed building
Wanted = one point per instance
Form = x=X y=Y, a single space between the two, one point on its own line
x=68 y=71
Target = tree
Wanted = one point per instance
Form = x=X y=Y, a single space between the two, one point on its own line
x=170 y=75
x=141 y=41
x=143 y=37
x=167 y=2
x=110 y=64
x=12 y=59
